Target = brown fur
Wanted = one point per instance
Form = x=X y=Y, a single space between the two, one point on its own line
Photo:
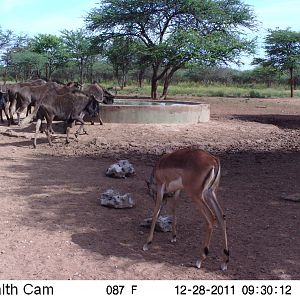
x=197 y=172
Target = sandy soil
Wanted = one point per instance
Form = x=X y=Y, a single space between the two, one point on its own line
x=52 y=226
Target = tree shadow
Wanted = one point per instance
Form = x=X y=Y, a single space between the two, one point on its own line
x=62 y=194
x=281 y=121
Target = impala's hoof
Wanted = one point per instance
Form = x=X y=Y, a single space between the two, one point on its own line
x=198 y=264
x=224 y=267
x=146 y=247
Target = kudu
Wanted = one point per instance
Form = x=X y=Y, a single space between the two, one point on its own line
x=197 y=173
x=12 y=90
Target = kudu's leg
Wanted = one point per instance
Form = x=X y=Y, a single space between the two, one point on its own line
x=211 y=197
x=12 y=110
x=68 y=133
x=81 y=127
x=100 y=120
x=6 y=111
x=48 y=136
x=37 y=129
x=19 y=111
x=48 y=128
x=28 y=111
x=157 y=208
x=210 y=220
x=6 y=114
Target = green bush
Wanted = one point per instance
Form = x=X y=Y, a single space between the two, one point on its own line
x=255 y=94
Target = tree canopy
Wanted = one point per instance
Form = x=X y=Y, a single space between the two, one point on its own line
x=174 y=33
x=282 y=47
x=79 y=46
x=53 y=48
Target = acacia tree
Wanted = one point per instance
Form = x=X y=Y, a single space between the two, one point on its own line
x=79 y=47
x=52 y=47
x=6 y=37
x=26 y=63
x=10 y=44
x=121 y=54
x=175 y=32
x=282 y=49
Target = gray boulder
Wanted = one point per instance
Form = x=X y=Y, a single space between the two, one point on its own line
x=121 y=169
x=114 y=199
x=163 y=224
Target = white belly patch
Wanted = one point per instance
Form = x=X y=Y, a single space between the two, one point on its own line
x=174 y=185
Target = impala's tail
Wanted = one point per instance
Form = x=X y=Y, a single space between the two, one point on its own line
x=212 y=180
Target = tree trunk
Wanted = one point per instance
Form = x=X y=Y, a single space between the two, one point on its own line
x=124 y=80
x=141 y=77
x=124 y=76
x=154 y=88
x=81 y=71
x=165 y=89
x=154 y=84
x=167 y=81
x=47 y=71
x=291 y=82
x=5 y=75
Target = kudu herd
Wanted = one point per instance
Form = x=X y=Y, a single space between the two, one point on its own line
x=64 y=102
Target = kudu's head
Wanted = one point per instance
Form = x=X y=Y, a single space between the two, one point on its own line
x=108 y=98
x=92 y=107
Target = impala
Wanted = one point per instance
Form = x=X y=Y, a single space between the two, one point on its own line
x=197 y=173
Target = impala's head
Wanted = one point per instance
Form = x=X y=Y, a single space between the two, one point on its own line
x=151 y=184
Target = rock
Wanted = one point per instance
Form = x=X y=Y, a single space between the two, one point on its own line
x=114 y=199
x=292 y=197
x=99 y=141
x=121 y=169
x=163 y=224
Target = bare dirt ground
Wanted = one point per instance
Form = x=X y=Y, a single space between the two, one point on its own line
x=52 y=226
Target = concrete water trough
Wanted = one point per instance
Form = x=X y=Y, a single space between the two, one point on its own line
x=146 y=112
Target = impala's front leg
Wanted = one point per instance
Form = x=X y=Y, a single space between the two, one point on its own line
x=158 y=202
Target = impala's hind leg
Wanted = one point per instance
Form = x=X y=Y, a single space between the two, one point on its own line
x=210 y=220
x=210 y=196
x=174 y=221
x=158 y=205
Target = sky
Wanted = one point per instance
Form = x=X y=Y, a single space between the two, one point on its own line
x=44 y=16
x=272 y=14
x=51 y=16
